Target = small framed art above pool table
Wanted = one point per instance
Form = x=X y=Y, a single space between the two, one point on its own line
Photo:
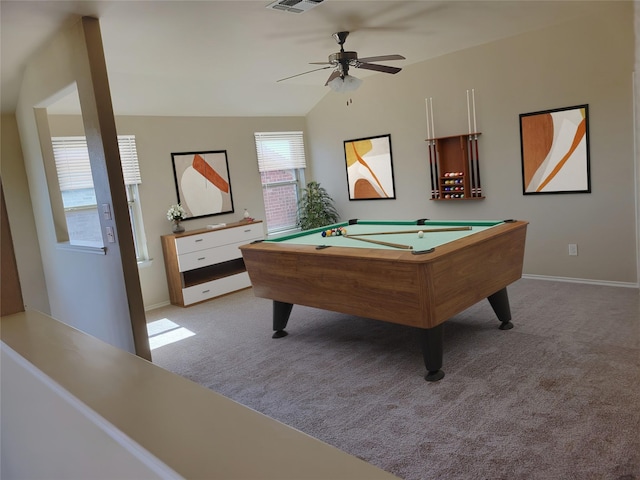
x=417 y=273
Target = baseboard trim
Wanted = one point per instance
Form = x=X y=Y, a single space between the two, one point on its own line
x=157 y=305
x=605 y=283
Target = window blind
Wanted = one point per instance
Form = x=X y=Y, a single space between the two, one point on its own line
x=72 y=161
x=279 y=150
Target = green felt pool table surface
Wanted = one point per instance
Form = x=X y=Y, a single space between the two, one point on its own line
x=399 y=233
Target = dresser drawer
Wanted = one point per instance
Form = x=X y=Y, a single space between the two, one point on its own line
x=211 y=256
x=215 y=288
x=216 y=238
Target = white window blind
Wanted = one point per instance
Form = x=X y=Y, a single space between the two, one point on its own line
x=73 y=167
x=279 y=150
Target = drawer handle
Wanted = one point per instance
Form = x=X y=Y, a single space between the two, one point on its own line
x=247 y=230
x=206 y=291
x=201 y=258
x=199 y=240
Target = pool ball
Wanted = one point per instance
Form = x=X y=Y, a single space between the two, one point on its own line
x=420 y=234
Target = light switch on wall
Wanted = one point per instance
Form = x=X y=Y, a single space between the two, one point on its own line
x=106 y=211
x=111 y=237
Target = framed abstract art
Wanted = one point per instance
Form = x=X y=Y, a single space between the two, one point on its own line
x=369 y=168
x=202 y=183
x=555 y=151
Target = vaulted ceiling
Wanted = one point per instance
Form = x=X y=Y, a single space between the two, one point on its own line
x=224 y=58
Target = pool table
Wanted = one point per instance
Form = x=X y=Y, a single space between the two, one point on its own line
x=417 y=273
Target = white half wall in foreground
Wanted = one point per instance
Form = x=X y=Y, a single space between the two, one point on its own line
x=48 y=433
x=75 y=407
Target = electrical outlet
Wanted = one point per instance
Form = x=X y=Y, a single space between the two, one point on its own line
x=573 y=249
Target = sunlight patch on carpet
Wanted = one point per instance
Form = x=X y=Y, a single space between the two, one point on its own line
x=164 y=332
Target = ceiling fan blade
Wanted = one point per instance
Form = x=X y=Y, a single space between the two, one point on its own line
x=377 y=68
x=381 y=58
x=334 y=74
x=304 y=73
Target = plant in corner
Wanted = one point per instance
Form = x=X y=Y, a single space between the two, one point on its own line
x=315 y=208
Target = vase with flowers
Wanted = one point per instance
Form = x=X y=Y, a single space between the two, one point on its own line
x=176 y=214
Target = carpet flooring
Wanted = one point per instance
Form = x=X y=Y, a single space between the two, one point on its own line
x=556 y=397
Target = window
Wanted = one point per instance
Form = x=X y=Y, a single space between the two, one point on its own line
x=281 y=163
x=78 y=196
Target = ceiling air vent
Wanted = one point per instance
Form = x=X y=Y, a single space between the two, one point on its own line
x=294 y=6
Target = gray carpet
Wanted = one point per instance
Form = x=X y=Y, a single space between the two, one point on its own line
x=556 y=397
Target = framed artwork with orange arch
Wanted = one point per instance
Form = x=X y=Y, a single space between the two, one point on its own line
x=555 y=151
x=202 y=183
x=370 y=168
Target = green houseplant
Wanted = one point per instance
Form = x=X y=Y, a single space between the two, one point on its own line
x=315 y=208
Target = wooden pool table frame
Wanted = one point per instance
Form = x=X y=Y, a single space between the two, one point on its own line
x=395 y=286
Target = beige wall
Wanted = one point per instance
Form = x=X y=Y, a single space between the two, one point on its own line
x=20 y=213
x=587 y=61
x=156 y=139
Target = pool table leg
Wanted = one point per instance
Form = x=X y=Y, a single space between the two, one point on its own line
x=281 y=312
x=432 y=340
x=500 y=303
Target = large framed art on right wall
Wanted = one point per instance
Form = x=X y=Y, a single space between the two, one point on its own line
x=555 y=151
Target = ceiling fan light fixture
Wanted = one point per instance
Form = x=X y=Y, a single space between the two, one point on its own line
x=346 y=83
x=340 y=80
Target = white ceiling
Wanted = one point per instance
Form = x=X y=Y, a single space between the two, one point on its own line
x=223 y=58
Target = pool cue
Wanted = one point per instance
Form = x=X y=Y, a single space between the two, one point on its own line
x=431 y=161
x=431 y=169
x=378 y=242
x=479 y=187
x=448 y=229
x=473 y=188
x=433 y=151
x=475 y=143
x=471 y=177
x=436 y=172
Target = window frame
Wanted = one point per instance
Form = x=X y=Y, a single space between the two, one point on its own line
x=131 y=172
x=276 y=161
x=297 y=182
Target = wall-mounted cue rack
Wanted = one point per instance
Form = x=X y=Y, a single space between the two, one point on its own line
x=455 y=167
x=453 y=160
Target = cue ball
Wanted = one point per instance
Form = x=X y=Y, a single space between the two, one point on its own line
x=420 y=234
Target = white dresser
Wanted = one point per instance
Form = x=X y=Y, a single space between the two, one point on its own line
x=206 y=263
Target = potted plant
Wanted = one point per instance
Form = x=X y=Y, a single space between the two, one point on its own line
x=315 y=208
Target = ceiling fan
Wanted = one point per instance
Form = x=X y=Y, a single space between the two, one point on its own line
x=340 y=80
